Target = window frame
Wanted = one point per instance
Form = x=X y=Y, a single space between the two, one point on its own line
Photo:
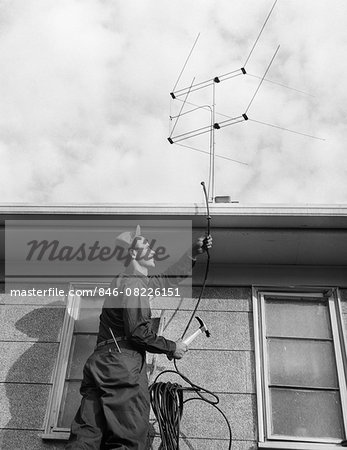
x=51 y=430
x=265 y=439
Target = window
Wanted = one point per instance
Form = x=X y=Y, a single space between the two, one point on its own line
x=78 y=339
x=300 y=370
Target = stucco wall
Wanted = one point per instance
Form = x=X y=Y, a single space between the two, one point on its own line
x=29 y=339
x=224 y=364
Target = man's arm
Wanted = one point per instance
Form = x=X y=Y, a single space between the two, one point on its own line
x=138 y=327
x=181 y=269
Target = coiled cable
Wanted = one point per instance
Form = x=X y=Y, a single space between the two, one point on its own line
x=167 y=404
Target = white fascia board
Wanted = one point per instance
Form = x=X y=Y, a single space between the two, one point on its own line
x=229 y=216
x=219 y=209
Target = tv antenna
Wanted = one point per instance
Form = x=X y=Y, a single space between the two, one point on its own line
x=182 y=94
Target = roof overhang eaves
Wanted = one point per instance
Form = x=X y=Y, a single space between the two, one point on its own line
x=224 y=215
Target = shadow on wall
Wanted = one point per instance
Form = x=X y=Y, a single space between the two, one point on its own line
x=29 y=376
x=28 y=363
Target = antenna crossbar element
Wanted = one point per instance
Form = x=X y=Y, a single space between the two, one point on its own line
x=207 y=83
x=207 y=129
x=189 y=134
x=228 y=122
x=218 y=126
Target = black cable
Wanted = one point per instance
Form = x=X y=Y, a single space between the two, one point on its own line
x=167 y=404
x=208 y=217
x=167 y=398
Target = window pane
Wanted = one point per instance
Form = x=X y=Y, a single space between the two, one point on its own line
x=302 y=363
x=306 y=413
x=297 y=319
x=82 y=347
x=71 y=401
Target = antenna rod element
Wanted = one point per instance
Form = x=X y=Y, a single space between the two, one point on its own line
x=184 y=65
x=261 y=81
x=262 y=29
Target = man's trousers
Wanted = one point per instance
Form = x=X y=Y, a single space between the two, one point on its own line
x=114 y=412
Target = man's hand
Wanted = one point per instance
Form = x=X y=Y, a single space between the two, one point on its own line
x=201 y=245
x=181 y=349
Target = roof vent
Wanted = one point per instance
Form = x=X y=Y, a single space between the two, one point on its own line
x=224 y=199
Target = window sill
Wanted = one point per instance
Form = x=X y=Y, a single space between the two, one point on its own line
x=56 y=436
x=299 y=446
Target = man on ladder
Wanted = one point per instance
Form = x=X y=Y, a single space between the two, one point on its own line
x=114 y=411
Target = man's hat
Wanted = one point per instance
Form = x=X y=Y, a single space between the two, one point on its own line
x=128 y=237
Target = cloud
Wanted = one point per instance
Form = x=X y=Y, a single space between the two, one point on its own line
x=84 y=89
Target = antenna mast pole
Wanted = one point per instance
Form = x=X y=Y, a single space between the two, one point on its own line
x=213 y=141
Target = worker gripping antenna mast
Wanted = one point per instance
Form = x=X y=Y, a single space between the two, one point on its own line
x=208 y=218
x=167 y=398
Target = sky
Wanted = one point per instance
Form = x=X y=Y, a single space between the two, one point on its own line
x=85 y=106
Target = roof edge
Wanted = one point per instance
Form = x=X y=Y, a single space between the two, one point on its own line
x=177 y=209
